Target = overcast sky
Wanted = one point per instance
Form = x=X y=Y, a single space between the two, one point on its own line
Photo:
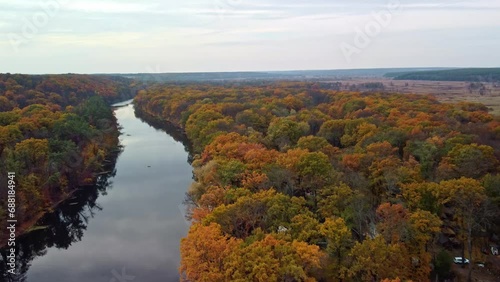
x=94 y=36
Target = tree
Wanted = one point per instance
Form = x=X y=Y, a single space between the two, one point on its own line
x=33 y=154
x=385 y=175
x=468 y=202
x=335 y=201
x=339 y=241
x=312 y=143
x=491 y=185
x=203 y=253
x=332 y=130
x=306 y=228
x=443 y=264
x=427 y=155
x=283 y=132
x=72 y=127
x=393 y=222
x=266 y=210
x=354 y=105
x=356 y=132
x=314 y=171
x=471 y=161
x=94 y=110
x=30 y=196
x=255 y=119
x=423 y=229
x=271 y=259
x=230 y=172
x=198 y=122
x=9 y=136
x=425 y=196
x=373 y=260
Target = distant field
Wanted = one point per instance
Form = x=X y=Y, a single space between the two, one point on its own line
x=420 y=81
x=468 y=74
x=446 y=91
x=271 y=75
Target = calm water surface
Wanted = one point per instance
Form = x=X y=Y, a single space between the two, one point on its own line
x=137 y=229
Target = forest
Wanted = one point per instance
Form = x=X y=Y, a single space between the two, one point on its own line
x=296 y=182
x=57 y=132
x=470 y=75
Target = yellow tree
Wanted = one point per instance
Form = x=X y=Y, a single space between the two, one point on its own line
x=33 y=153
x=203 y=252
x=423 y=228
x=272 y=259
x=468 y=200
x=374 y=259
x=471 y=161
x=339 y=240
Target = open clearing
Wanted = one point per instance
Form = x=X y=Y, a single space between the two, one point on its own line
x=446 y=91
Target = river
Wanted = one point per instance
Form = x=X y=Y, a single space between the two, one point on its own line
x=129 y=228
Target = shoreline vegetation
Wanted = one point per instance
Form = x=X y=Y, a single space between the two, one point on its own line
x=58 y=133
x=313 y=184
x=30 y=226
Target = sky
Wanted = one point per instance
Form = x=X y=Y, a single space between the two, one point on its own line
x=124 y=36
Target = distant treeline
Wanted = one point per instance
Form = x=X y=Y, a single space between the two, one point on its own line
x=472 y=75
x=301 y=75
x=18 y=90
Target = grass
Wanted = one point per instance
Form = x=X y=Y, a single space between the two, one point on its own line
x=445 y=91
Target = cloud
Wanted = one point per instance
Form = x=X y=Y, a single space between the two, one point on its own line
x=235 y=34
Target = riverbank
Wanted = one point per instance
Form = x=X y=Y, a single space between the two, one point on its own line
x=107 y=163
x=139 y=209
x=170 y=128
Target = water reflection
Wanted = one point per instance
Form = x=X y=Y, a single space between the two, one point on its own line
x=137 y=227
x=173 y=131
x=59 y=229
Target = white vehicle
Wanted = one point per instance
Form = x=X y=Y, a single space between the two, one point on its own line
x=460 y=260
x=494 y=250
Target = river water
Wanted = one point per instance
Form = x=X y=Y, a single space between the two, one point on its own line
x=129 y=229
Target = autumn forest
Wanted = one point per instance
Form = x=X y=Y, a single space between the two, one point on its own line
x=56 y=133
x=295 y=182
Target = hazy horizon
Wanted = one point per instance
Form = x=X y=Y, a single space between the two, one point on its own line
x=153 y=36
x=255 y=71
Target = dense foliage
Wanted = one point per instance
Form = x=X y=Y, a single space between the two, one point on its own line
x=55 y=134
x=295 y=183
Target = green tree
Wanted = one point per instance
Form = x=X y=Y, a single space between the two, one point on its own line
x=283 y=132
x=33 y=154
x=333 y=130
x=471 y=161
x=313 y=143
x=314 y=171
x=339 y=242
x=443 y=265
